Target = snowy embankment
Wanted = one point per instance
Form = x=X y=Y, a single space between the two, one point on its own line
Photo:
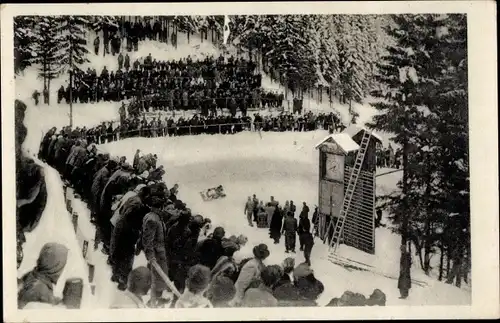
x=56 y=226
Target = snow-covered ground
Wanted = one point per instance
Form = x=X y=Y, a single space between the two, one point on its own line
x=280 y=164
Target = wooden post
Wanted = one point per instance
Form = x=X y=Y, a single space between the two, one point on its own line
x=75 y=220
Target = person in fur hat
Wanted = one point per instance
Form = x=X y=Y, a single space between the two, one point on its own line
x=250 y=272
x=198 y=279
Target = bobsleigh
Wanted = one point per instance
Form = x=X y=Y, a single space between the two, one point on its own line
x=213 y=193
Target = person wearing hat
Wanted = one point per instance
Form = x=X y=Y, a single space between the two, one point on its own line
x=126 y=234
x=38 y=284
x=154 y=246
x=99 y=182
x=117 y=184
x=250 y=272
x=262 y=296
x=138 y=285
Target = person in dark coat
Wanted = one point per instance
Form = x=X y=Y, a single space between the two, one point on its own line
x=276 y=224
x=304 y=228
x=211 y=249
x=305 y=210
x=154 y=246
x=126 y=62
x=308 y=240
x=404 y=280
x=98 y=183
x=125 y=235
x=290 y=231
x=177 y=238
x=97 y=41
x=120 y=61
x=44 y=146
x=118 y=184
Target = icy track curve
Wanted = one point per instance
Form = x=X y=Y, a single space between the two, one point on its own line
x=283 y=165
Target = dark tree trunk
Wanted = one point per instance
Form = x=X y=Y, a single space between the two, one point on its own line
x=441 y=262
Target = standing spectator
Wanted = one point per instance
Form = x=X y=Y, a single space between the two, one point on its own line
x=404 y=280
x=137 y=156
x=249 y=206
x=120 y=61
x=308 y=240
x=290 y=232
x=153 y=244
x=139 y=284
x=250 y=272
x=45 y=96
x=126 y=234
x=35 y=96
x=305 y=210
x=126 y=62
x=304 y=227
x=97 y=41
x=276 y=225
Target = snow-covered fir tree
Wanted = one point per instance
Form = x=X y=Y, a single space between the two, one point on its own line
x=46 y=46
x=24 y=39
x=423 y=103
x=73 y=46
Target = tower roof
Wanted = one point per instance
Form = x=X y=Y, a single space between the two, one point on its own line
x=343 y=140
x=353 y=130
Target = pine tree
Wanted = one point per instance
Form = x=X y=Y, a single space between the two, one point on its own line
x=24 y=39
x=46 y=46
x=73 y=47
x=423 y=102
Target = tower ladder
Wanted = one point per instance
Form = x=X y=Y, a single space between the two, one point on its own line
x=351 y=186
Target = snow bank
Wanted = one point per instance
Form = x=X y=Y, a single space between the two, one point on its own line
x=55 y=226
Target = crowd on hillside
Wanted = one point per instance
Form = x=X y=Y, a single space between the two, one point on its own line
x=205 y=85
x=134 y=211
x=195 y=125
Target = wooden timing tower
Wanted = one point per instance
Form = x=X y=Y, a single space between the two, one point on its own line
x=346 y=201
